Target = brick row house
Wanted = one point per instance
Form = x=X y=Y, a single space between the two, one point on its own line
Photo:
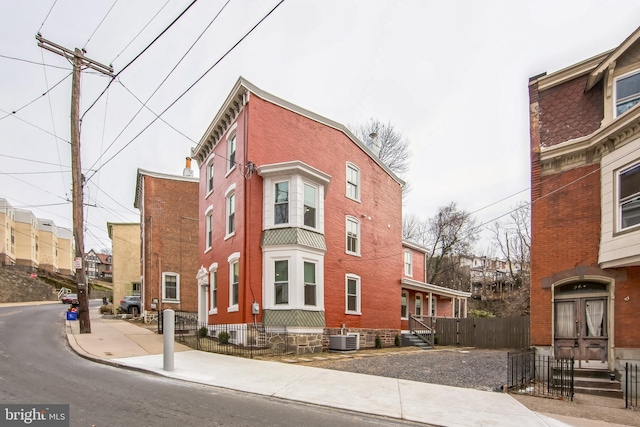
x=585 y=193
x=168 y=255
x=300 y=224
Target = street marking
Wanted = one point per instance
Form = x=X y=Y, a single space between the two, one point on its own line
x=10 y=313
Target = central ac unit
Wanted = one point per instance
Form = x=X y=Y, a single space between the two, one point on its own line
x=343 y=342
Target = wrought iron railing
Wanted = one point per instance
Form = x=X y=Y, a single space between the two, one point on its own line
x=244 y=340
x=541 y=375
x=631 y=385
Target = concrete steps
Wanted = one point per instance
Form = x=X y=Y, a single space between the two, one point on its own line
x=596 y=382
x=413 y=341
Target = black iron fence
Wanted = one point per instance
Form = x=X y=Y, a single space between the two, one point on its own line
x=540 y=376
x=244 y=340
x=631 y=385
x=185 y=322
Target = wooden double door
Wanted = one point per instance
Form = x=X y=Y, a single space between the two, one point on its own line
x=581 y=330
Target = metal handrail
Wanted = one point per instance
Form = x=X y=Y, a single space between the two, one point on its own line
x=422 y=331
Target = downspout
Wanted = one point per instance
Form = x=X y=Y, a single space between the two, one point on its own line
x=247 y=187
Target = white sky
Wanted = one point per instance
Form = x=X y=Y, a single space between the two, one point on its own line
x=451 y=76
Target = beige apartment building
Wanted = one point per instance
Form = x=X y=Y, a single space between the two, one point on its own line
x=125 y=244
x=7 y=233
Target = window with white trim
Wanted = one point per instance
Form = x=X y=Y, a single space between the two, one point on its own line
x=231 y=152
x=403 y=304
x=418 y=306
x=352 y=293
x=629 y=197
x=170 y=287
x=213 y=289
x=281 y=203
x=234 y=283
x=281 y=281
x=408 y=258
x=309 y=283
x=353 y=182
x=353 y=236
x=231 y=213
x=310 y=203
x=209 y=172
x=208 y=221
x=627 y=92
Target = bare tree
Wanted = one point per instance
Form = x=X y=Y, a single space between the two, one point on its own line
x=447 y=235
x=106 y=251
x=512 y=238
x=394 y=148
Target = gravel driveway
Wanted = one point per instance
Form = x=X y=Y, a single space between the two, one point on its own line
x=479 y=369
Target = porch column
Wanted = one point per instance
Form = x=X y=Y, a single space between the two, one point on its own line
x=431 y=313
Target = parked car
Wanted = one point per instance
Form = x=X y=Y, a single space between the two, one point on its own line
x=130 y=304
x=69 y=299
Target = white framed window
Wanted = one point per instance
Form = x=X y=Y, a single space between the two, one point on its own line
x=418 y=306
x=208 y=223
x=352 y=294
x=629 y=197
x=209 y=172
x=408 y=263
x=213 y=289
x=231 y=152
x=353 y=236
x=170 y=287
x=234 y=281
x=230 y=203
x=353 y=182
x=281 y=281
x=310 y=204
x=403 y=305
x=627 y=91
x=281 y=203
x=309 y=283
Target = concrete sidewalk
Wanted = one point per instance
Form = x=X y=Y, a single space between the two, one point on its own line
x=123 y=344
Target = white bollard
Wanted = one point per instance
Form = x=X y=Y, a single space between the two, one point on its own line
x=169 y=331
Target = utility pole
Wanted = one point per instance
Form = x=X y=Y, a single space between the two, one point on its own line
x=78 y=60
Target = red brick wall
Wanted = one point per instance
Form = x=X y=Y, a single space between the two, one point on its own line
x=277 y=135
x=567 y=112
x=171 y=236
x=222 y=249
x=627 y=307
x=327 y=149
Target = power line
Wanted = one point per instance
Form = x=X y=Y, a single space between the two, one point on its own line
x=33 y=62
x=136 y=57
x=48 y=13
x=100 y=24
x=35 y=126
x=192 y=85
x=34 y=100
x=144 y=104
x=140 y=32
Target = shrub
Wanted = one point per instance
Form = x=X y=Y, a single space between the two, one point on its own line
x=223 y=337
x=106 y=309
x=397 y=341
x=378 y=342
x=480 y=313
x=202 y=332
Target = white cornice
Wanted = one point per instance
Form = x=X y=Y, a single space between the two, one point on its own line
x=414 y=246
x=591 y=148
x=571 y=72
x=611 y=57
x=239 y=97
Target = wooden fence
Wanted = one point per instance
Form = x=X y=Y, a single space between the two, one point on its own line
x=507 y=332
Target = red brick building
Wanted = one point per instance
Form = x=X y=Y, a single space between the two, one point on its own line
x=585 y=193
x=300 y=224
x=168 y=207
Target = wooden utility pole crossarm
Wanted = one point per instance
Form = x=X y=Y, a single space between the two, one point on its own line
x=79 y=60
